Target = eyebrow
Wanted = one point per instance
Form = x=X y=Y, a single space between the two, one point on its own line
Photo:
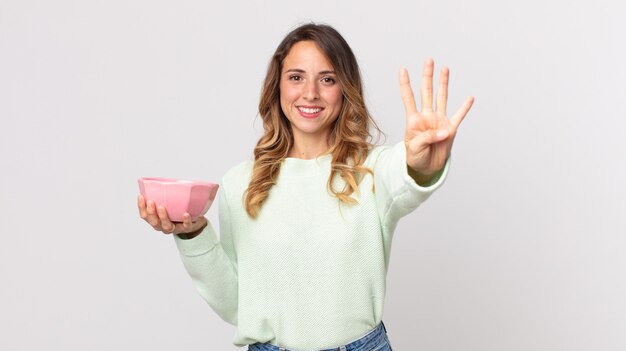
x=298 y=70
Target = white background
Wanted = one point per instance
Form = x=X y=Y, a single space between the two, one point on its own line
x=522 y=249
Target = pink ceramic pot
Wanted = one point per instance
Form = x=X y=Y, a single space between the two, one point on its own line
x=179 y=196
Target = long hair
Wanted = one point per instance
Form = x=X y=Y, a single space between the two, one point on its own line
x=349 y=139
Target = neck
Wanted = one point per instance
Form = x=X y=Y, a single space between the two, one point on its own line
x=308 y=149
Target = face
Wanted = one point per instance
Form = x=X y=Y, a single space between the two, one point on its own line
x=310 y=95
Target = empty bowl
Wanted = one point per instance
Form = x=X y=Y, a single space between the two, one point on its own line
x=179 y=196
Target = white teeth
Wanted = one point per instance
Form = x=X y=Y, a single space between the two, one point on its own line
x=309 y=110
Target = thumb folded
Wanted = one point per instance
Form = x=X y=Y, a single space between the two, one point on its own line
x=425 y=139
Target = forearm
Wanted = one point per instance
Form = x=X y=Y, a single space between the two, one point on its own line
x=214 y=275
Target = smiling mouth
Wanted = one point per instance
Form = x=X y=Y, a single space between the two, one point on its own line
x=310 y=110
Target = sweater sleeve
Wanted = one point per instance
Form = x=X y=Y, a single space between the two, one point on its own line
x=396 y=192
x=212 y=264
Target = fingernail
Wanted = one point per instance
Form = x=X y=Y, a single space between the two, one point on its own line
x=442 y=133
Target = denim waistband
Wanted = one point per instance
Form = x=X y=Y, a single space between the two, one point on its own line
x=371 y=337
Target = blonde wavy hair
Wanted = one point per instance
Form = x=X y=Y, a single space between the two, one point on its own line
x=350 y=138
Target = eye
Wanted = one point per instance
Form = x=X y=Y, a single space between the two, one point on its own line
x=329 y=80
x=295 y=78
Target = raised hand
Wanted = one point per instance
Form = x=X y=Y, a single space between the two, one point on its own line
x=429 y=133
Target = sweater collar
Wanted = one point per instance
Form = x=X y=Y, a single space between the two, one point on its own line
x=299 y=167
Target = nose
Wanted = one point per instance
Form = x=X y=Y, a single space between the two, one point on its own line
x=311 y=91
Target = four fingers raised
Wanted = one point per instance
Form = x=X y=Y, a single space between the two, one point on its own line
x=426 y=91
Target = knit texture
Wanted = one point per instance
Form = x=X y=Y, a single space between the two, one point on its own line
x=308 y=273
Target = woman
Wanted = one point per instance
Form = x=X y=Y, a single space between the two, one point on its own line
x=306 y=228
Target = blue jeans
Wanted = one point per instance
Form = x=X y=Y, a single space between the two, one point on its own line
x=375 y=340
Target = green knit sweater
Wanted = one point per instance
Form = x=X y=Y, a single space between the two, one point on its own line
x=308 y=273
